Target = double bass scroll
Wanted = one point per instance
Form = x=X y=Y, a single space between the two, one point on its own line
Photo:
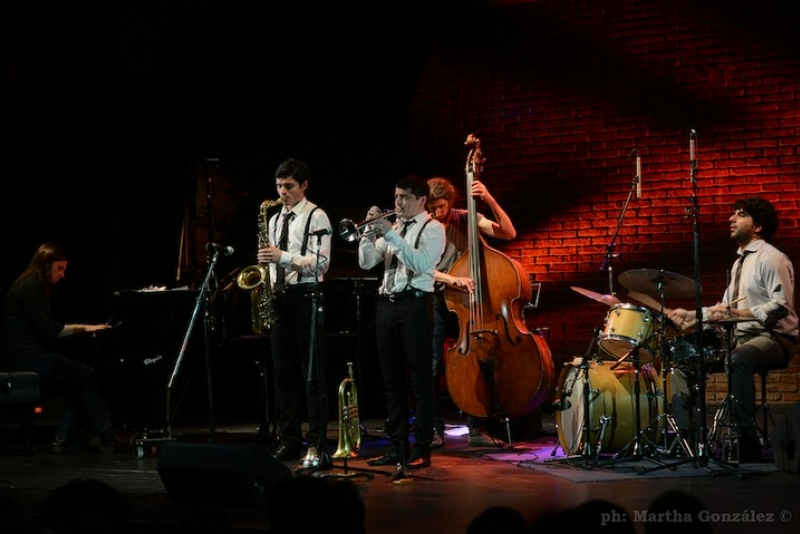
x=498 y=367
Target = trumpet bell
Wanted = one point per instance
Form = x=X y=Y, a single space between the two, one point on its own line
x=352 y=232
x=348 y=230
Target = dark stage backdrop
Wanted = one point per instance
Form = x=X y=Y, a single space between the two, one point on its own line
x=117 y=134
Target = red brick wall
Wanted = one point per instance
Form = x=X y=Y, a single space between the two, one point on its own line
x=561 y=93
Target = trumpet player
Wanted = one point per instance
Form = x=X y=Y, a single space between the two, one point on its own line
x=298 y=255
x=409 y=250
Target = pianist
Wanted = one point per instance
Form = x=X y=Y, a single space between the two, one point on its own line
x=27 y=338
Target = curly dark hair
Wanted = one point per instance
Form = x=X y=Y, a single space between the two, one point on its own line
x=763 y=213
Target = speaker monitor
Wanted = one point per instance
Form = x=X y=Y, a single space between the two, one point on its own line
x=242 y=475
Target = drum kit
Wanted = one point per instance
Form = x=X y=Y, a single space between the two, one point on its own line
x=617 y=396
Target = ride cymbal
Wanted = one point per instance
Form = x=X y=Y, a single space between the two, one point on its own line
x=609 y=300
x=648 y=281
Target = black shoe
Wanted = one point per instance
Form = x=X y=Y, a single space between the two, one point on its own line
x=438 y=439
x=390 y=458
x=284 y=453
x=419 y=460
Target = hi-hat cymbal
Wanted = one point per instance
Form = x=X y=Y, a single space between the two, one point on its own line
x=609 y=300
x=648 y=281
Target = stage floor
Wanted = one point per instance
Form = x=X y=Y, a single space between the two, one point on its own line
x=460 y=484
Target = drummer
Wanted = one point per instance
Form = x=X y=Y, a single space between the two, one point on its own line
x=761 y=289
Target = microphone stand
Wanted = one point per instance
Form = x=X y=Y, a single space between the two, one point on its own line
x=323 y=461
x=702 y=456
x=203 y=301
x=610 y=254
x=586 y=430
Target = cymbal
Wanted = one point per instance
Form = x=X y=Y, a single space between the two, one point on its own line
x=647 y=300
x=647 y=281
x=609 y=300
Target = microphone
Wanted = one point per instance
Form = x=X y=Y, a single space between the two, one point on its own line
x=323 y=231
x=216 y=247
x=561 y=404
x=692 y=143
x=638 y=175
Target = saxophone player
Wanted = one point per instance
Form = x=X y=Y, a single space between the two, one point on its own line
x=298 y=255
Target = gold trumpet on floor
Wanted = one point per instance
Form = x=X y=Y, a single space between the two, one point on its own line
x=349 y=420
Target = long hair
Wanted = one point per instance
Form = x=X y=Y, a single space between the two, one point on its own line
x=42 y=262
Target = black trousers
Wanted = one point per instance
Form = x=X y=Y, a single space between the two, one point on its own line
x=292 y=359
x=60 y=376
x=404 y=331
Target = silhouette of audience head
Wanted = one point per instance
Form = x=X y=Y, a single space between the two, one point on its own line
x=204 y=518
x=598 y=515
x=314 y=504
x=677 y=509
x=14 y=514
x=85 y=506
x=498 y=520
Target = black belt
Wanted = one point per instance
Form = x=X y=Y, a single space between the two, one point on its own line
x=297 y=288
x=404 y=295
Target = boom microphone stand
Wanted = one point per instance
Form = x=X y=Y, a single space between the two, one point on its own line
x=563 y=404
x=610 y=254
x=203 y=301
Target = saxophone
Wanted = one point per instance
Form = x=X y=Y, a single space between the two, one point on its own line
x=255 y=278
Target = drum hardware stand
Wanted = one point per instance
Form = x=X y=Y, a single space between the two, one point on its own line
x=586 y=430
x=703 y=457
x=637 y=444
x=667 y=416
x=725 y=415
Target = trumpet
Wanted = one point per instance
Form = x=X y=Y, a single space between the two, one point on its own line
x=352 y=232
x=349 y=419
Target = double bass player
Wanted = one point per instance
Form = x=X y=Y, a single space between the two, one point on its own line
x=440 y=205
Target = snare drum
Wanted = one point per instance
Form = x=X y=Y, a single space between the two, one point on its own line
x=612 y=395
x=627 y=326
x=683 y=353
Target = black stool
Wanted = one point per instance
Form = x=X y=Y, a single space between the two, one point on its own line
x=22 y=388
x=766 y=413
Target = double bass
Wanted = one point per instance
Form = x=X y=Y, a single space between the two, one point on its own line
x=497 y=367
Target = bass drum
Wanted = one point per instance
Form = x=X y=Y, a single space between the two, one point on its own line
x=612 y=397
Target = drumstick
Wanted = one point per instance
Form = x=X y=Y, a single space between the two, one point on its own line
x=693 y=322
x=647 y=300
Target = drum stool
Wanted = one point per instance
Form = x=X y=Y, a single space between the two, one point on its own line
x=766 y=413
x=22 y=389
